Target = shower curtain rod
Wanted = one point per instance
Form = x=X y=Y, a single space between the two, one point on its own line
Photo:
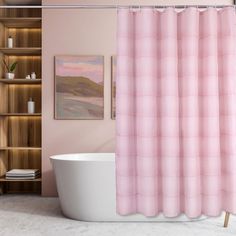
x=79 y=6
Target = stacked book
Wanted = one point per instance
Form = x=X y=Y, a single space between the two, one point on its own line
x=22 y=174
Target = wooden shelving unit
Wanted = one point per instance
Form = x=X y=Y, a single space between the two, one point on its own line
x=21 y=22
x=20 y=148
x=21 y=51
x=20 y=180
x=20 y=132
x=21 y=81
x=20 y=114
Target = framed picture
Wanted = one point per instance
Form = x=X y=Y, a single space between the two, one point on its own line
x=79 y=87
x=113 y=87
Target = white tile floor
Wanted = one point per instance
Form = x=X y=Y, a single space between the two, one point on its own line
x=33 y=216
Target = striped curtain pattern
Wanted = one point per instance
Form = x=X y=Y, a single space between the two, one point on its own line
x=176 y=111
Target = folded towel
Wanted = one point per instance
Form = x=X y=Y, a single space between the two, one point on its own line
x=22 y=172
x=22 y=177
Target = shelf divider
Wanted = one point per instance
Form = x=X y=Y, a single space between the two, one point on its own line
x=21 y=51
x=3 y=179
x=20 y=114
x=19 y=148
x=21 y=22
x=20 y=81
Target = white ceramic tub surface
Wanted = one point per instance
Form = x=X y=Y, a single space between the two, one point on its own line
x=87 y=188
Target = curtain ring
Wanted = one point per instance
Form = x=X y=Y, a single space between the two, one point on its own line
x=132 y=9
x=156 y=8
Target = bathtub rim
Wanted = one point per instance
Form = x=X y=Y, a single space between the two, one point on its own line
x=85 y=157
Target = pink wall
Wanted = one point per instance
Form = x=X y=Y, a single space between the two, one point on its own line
x=80 y=32
x=74 y=33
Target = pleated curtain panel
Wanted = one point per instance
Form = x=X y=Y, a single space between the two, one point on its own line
x=176 y=111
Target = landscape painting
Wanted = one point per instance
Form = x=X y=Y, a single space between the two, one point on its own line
x=79 y=87
x=113 y=87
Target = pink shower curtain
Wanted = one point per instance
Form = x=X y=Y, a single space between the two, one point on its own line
x=176 y=111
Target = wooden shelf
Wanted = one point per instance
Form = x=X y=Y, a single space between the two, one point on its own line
x=20 y=51
x=2 y=179
x=20 y=114
x=21 y=81
x=20 y=148
x=21 y=22
x=20 y=132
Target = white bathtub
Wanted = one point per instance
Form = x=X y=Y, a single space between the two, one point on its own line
x=87 y=188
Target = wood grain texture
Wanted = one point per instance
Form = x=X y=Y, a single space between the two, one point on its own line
x=19 y=96
x=21 y=22
x=3 y=98
x=3 y=162
x=2 y=35
x=20 y=180
x=3 y=131
x=20 y=133
x=24 y=37
x=26 y=51
x=22 y=159
x=20 y=148
x=24 y=132
x=2 y=2
x=26 y=65
x=20 y=81
x=23 y=187
x=2 y=43
x=226 y=221
x=26 y=12
x=20 y=114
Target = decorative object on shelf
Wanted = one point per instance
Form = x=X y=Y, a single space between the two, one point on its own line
x=10 y=42
x=33 y=75
x=113 y=87
x=79 y=87
x=10 y=69
x=31 y=106
x=28 y=77
x=20 y=174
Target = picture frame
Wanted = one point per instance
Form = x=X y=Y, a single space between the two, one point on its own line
x=79 y=87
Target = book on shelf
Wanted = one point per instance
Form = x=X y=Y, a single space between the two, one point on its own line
x=22 y=174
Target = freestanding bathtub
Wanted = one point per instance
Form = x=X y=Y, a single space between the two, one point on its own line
x=87 y=188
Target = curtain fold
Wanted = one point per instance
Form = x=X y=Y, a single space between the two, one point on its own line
x=176 y=112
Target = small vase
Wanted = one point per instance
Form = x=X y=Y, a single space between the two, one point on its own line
x=10 y=42
x=33 y=75
x=9 y=75
x=31 y=106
